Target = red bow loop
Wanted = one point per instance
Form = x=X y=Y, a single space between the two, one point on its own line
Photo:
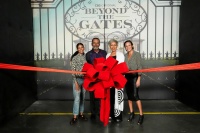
x=101 y=67
x=121 y=68
x=98 y=60
x=110 y=62
x=119 y=81
x=92 y=73
x=88 y=83
x=86 y=66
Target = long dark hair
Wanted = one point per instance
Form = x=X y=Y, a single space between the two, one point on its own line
x=130 y=43
x=75 y=53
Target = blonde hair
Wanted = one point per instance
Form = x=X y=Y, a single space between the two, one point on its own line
x=113 y=40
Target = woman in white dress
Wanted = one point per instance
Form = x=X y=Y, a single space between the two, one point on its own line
x=116 y=95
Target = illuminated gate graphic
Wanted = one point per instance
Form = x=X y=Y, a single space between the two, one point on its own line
x=152 y=25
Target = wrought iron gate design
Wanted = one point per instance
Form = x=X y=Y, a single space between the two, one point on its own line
x=156 y=38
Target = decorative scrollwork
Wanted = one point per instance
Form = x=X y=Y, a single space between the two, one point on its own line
x=86 y=18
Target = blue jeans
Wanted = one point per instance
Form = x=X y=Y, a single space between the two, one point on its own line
x=79 y=97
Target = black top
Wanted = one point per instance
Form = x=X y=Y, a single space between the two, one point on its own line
x=114 y=57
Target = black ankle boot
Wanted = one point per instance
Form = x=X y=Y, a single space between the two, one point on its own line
x=140 y=120
x=73 y=121
x=131 y=116
x=82 y=117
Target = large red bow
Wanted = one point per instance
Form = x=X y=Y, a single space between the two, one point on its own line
x=100 y=77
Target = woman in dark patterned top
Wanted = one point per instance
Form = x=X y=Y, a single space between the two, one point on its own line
x=77 y=61
x=133 y=60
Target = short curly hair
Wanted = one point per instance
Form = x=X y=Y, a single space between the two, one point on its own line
x=113 y=40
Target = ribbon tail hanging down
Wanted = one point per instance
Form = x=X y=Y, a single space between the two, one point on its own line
x=105 y=108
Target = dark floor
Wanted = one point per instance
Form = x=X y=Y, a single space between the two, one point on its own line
x=161 y=116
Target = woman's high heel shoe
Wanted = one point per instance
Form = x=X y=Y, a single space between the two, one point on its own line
x=140 y=120
x=131 y=116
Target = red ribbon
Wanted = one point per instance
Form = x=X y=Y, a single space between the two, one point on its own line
x=41 y=69
x=100 y=77
x=191 y=66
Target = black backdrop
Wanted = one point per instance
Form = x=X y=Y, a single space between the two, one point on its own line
x=189 y=81
x=17 y=88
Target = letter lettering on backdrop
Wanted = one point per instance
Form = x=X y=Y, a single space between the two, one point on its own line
x=128 y=23
x=89 y=17
x=84 y=24
x=95 y=25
